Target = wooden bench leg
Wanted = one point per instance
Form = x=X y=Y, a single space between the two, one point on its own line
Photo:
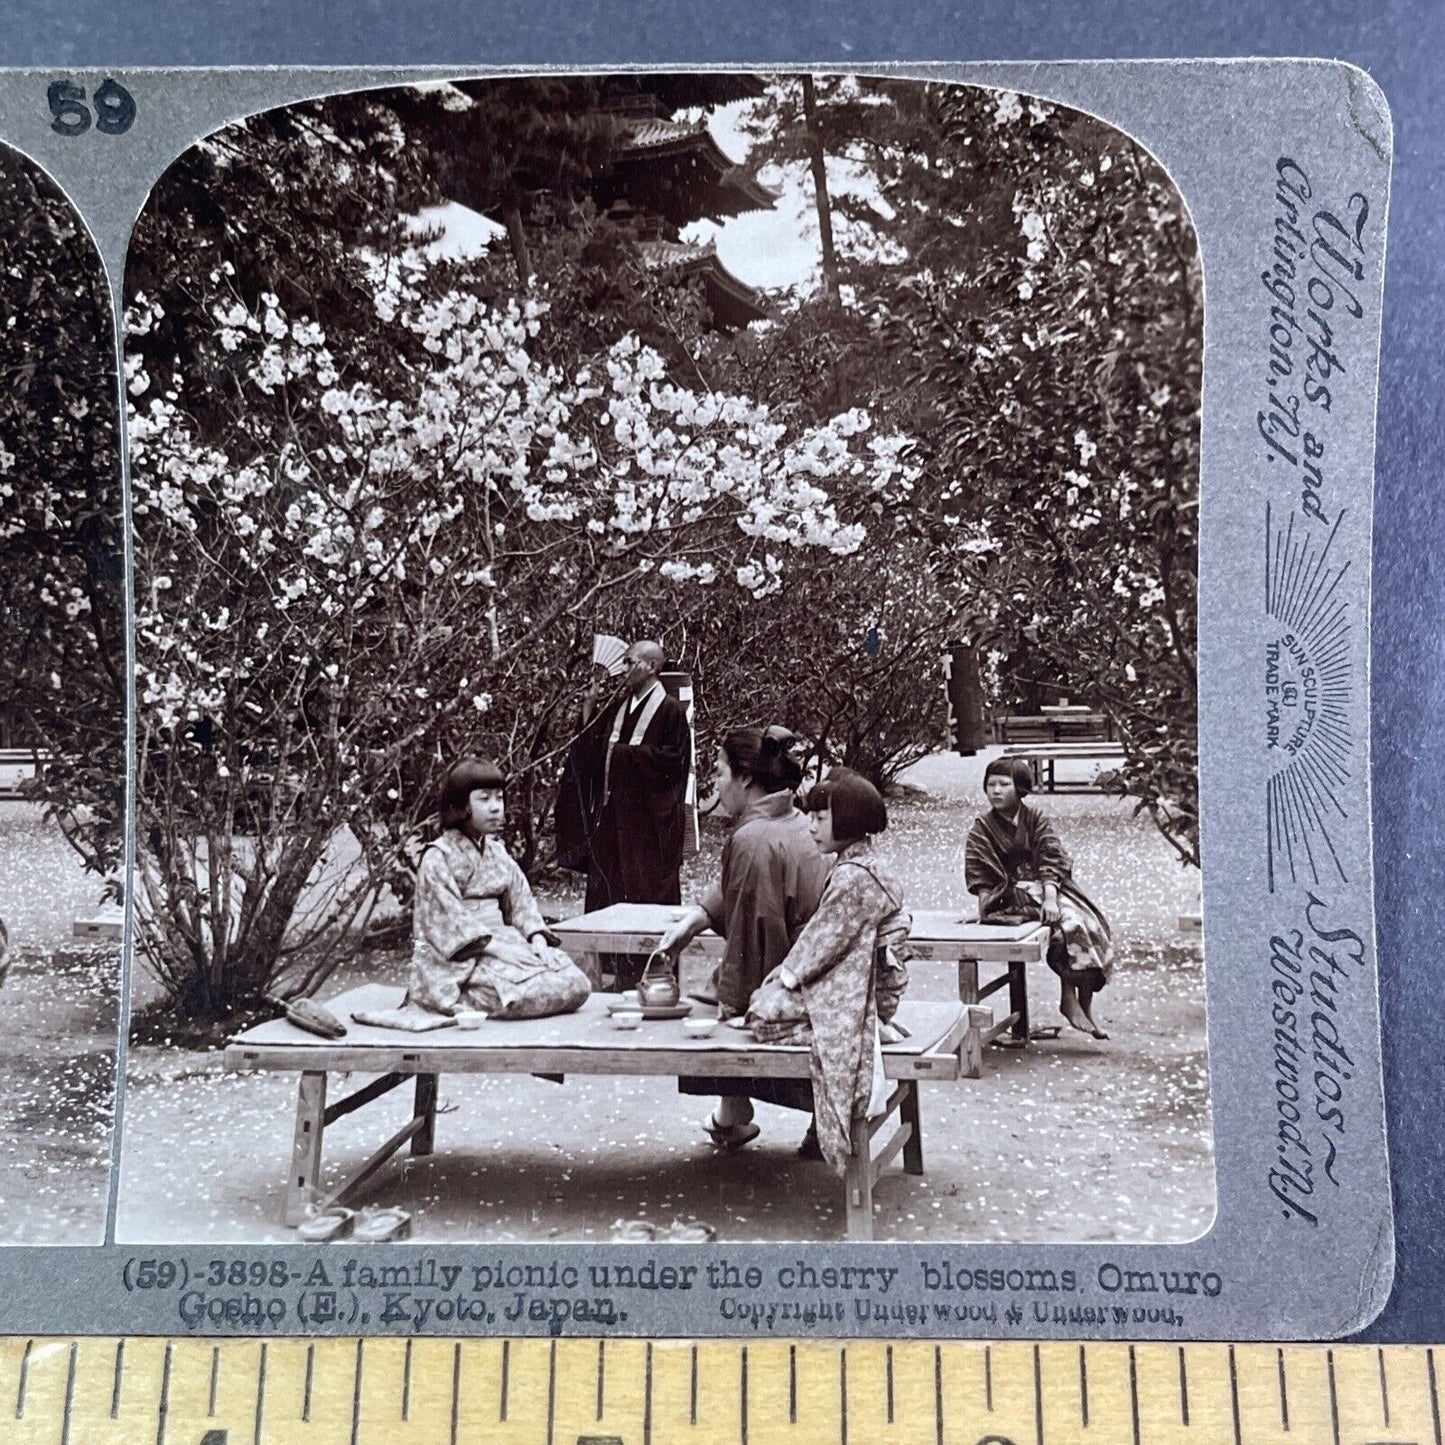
x=305 y=1177
x=908 y=1116
x=423 y=1141
x=1018 y=999
x=858 y=1184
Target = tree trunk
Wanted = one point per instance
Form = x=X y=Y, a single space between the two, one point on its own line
x=517 y=240
x=820 y=187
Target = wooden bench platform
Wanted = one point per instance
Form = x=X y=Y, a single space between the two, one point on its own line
x=945 y=1044
x=1055 y=725
x=1042 y=758
x=939 y=936
x=107 y=922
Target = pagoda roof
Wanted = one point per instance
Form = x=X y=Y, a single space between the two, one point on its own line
x=665 y=94
x=732 y=301
x=678 y=170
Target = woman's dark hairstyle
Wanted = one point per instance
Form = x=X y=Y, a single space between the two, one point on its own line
x=454 y=802
x=1016 y=770
x=857 y=806
x=764 y=756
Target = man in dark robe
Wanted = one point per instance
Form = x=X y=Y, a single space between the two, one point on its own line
x=620 y=810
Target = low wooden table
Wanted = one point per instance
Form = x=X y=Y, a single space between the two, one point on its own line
x=944 y=1043
x=939 y=936
x=1043 y=758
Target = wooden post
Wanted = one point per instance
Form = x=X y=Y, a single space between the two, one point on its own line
x=968 y=980
x=425 y=1108
x=858 y=1184
x=908 y=1114
x=305 y=1176
x=970 y=1048
x=677 y=682
x=1018 y=999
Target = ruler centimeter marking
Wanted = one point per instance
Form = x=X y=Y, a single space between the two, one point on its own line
x=356 y=1398
x=1334 y=1397
x=115 y=1388
x=647 y=1399
x=889 y=1356
x=743 y=1397
x=506 y=1372
x=69 y=1393
x=1134 y=1395
x=456 y=1388
x=1434 y=1398
x=938 y=1392
x=24 y=1375
x=570 y=1391
x=261 y=1395
x=1038 y=1398
x=1233 y=1398
x=164 y=1407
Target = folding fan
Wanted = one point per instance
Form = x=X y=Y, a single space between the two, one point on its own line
x=607 y=652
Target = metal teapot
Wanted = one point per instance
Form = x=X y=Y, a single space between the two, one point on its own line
x=658 y=987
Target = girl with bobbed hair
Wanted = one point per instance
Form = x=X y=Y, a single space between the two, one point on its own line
x=840 y=985
x=480 y=941
x=1015 y=865
x=771 y=878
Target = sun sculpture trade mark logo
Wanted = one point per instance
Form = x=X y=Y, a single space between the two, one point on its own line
x=1307 y=689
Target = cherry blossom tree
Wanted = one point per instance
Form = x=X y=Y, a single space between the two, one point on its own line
x=342 y=584
x=62 y=622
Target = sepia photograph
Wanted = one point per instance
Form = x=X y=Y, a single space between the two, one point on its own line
x=62 y=718
x=665 y=670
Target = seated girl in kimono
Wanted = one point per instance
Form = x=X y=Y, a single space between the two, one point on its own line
x=1019 y=870
x=480 y=939
x=842 y=980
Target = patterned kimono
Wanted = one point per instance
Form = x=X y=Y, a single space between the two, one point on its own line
x=848 y=979
x=1006 y=864
x=467 y=894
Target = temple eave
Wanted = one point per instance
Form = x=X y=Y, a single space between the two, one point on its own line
x=732 y=301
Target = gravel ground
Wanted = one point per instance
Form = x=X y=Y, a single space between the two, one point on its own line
x=57 y=1041
x=1069 y=1140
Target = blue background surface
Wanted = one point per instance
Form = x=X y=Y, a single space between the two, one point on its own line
x=1401 y=43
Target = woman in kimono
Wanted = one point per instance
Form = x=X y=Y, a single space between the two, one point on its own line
x=771 y=879
x=839 y=987
x=1018 y=869
x=480 y=939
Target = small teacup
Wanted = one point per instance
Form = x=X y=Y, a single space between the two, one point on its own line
x=470 y=1018
x=627 y=1019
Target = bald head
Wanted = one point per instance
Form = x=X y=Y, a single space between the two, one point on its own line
x=643 y=661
